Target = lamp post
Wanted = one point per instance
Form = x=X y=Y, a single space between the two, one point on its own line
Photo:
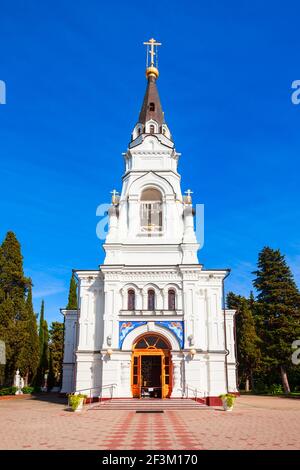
x=192 y=352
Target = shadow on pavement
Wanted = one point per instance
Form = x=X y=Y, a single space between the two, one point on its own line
x=54 y=398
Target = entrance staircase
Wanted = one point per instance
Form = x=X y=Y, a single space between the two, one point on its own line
x=149 y=404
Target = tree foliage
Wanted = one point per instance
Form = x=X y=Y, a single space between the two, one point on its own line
x=277 y=310
x=29 y=355
x=43 y=346
x=17 y=320
x=248 y=342
x=56 y=348
x=72 y=299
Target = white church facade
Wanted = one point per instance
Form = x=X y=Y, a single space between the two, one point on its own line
x=151 y=320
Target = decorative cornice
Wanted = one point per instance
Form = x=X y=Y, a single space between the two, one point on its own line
x=150 y=313
x=143 y=276
x=151 y=152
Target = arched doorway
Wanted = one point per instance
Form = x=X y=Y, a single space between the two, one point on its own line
x=151 y=367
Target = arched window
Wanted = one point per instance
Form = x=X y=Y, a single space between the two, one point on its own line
x=151 y=210
x=171 y=299
x=152 y=129
x=151 y=341
x=151 y=299
x=131 y=300
x=151 y=107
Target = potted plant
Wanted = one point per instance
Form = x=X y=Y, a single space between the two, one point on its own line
x=76 y=401
x=228 y=401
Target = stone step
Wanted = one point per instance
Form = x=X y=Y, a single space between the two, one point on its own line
x=148 y=404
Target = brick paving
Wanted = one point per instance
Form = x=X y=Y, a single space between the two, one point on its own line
x=255 y=423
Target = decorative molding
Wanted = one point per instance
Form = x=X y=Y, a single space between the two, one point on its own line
x=143 y=276
x=144 y=313
x=177 y=328
x=151 y=152
x=126 y=327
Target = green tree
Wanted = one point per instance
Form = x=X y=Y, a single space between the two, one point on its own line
x=8 y=332
x=13 y=283
x=72 y=299
x=29 y=355
x=41 y=327
x=43 y=345
x=56 y=348
x=248 y=342
x=278 y=309
x=13 y=287
x=51 y=377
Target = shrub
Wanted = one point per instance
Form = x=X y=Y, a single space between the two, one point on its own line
x=260 y=387
x=27 y=390
x=275 y=389
x=230 y=399
x=8 y=391
x=74 y=400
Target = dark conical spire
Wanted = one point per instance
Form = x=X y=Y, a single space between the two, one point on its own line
x=151 y=108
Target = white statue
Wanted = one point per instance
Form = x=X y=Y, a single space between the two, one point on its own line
x=19 y=383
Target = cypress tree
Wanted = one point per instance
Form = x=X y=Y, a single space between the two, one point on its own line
x=8 y=334
x=12 y=280
x=43 y=345
x=13 y=286
x=28 y=359
x=72 y=299
x=45 y=354
x=278 y=307
x=56 y=348
x=51 y=376
x=41 y=327
x=248 y=342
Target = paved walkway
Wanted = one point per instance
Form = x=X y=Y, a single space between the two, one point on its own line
x=255 y=423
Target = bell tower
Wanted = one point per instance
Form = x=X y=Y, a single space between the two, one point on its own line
x=151 y=222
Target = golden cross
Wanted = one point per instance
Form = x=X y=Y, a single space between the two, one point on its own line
x=152 y=43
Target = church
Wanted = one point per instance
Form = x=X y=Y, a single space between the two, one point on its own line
x=151 y=321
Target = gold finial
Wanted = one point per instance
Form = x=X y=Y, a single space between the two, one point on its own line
x=152 y=69
x=115 y=197
x=188 y=197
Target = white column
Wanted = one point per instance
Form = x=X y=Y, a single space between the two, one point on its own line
x=177 y=379
x=113 y=225
x=165 y=299
x=133 y=216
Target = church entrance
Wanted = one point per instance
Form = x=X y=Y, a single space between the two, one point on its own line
x=151 y=375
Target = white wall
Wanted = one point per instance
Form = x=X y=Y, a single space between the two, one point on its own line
x=70 y=335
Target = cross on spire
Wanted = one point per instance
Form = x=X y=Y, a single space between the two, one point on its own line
x=152 y=50
x=188 y=197
x=188 y=192
x=114 y=197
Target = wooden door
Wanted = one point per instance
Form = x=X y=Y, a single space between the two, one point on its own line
x=136 y=376
x=166 y=376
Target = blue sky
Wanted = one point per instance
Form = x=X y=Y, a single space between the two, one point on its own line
x=75 y=81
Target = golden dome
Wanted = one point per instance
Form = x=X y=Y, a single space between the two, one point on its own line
x=152 y=71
